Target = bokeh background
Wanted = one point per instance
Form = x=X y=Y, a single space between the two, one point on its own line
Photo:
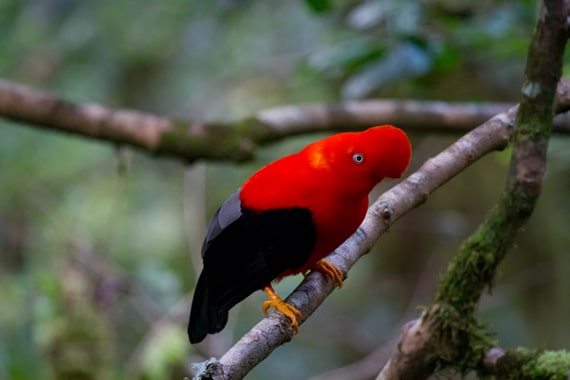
x=99 y=244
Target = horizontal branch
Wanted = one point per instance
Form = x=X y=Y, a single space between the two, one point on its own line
x=157 y=135
x=191 y=140
x=355 y=115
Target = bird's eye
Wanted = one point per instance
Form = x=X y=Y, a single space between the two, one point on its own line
x=358 y=158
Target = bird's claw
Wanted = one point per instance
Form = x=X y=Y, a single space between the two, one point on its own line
x=278 y=304
x=330 y=270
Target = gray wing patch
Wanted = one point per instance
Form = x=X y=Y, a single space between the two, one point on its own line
x=228 y=213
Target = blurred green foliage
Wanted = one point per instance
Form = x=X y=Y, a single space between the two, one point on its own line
x=99 y=245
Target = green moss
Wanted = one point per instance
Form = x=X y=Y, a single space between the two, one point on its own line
x=533 y=121
x=178 y=142
x=473 y=268
x=461 y=342
x=219 y=142
x=549 y=365
x=511 y=364
x=523 y=364
x=253 y=128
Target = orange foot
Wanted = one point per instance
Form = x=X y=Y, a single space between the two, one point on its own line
x=277 y=303
x=329 y=270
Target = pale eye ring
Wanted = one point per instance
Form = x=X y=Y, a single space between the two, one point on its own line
x=358 y=158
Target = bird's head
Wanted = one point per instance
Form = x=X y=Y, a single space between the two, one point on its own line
x=362 y=159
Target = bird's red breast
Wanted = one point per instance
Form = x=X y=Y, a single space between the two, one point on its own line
x=332 y=178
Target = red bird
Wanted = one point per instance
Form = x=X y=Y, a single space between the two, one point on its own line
x=287 y=217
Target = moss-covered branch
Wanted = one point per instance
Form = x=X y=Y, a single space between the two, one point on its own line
x=450 y=334
x=523 y=363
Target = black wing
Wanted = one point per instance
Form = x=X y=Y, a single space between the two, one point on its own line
x=228 y=213
x=244 y=251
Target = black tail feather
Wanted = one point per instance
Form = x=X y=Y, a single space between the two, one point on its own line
x=204 y=318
